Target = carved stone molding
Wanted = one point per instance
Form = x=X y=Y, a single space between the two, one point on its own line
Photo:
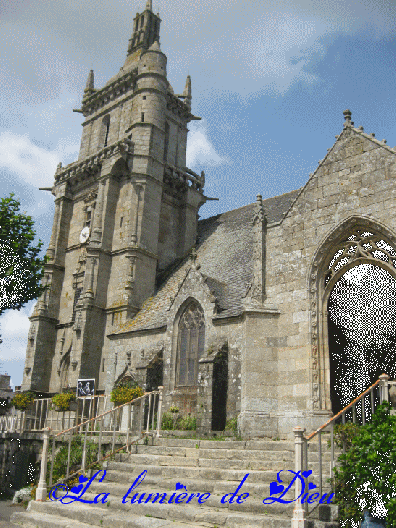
x=356 y=241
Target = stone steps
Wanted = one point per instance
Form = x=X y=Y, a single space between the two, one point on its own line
x=118 y=470
x=202 y=466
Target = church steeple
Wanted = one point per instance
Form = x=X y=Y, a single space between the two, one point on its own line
x=146 y=27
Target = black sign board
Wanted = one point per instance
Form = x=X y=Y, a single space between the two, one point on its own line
x=85 y=387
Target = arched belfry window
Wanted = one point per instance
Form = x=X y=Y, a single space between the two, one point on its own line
x=190 y=344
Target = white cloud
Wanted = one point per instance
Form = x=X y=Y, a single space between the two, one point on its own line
x=14 y=328
x=200 y=150
x=33 y=164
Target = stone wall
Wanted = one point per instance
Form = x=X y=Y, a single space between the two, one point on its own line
x=354 y=184
x=18 y=455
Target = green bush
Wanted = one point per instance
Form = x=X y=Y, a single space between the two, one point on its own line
x=345 y=433
x=76 y=450
x=22 y=400
x=188 y=423
x=124 y=394
x=167 y=421
x=171 y=421
x=63 y=400
x=232 y=425
x=367 y=471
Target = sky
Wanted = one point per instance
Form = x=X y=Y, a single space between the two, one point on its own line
x=269 y=79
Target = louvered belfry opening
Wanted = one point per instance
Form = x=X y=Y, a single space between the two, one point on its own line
x=191 y=340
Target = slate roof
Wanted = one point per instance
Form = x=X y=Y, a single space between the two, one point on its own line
x=224 y=252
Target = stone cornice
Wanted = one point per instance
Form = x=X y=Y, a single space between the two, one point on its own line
x=180 y=108
x=92 y=164
x=96 y=99
x=130 y=250
x=183 y=177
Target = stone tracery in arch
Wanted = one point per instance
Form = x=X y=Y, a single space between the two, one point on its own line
x=190 y=343
x=356 y=241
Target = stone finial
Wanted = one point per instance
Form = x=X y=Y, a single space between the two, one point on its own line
x=193 y=259
x=149 y=5
x=90 y=82
x=260 y=209
x=348 y=118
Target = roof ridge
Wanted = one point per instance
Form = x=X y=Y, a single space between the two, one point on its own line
x=313 y=174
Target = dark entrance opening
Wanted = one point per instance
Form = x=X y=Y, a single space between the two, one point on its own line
x=154 y=377
x=361 y=332
x=219 y=391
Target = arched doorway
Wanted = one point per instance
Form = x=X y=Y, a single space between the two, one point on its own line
x=361 y=331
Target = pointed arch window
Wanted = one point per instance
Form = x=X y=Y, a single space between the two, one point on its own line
x=190 y=344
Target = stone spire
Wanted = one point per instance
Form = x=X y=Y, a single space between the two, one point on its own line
x=149 y=5
x=187 y=92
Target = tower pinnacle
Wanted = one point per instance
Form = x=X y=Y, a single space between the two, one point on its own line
x=187 y=91
x=90 y=82
x=146 y=27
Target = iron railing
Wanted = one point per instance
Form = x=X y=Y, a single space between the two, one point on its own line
x=360 y=410
x=42 y=414
x=132 y=421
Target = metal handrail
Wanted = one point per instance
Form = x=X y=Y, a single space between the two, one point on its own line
x=110 y=421
x=302 y=441
x=344 y=410
x=42 y=414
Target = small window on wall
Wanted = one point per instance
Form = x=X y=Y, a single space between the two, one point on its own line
x=88 y=218
x=104 y=133
x=190 y=344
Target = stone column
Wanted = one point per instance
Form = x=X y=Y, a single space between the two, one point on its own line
x=41 y=491
x=137 y=187
x=97 y=230
x=384 y=387
x=54 y=234
x=298 y=520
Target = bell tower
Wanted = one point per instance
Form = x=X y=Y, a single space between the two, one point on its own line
x=124 y=211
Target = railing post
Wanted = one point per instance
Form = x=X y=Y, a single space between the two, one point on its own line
x=298 y=520
x=41 y=491
x=384 y=387
x=159 y=412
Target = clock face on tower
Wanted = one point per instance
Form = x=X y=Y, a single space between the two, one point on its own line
x=84 y=235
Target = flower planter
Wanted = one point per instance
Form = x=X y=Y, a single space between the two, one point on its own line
x=372 y=522
x=72 y=407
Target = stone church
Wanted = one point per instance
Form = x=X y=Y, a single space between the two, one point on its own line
x=230 y=313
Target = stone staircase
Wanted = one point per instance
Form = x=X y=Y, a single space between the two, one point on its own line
x=202 y=466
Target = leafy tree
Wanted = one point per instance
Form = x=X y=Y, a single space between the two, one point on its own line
x=21 y=268
x=366 y=478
